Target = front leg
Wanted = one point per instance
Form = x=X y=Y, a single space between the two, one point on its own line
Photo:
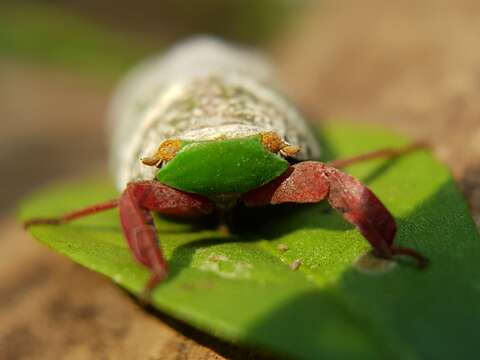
x=135 y=205
x=311 y=182
x=138 y=199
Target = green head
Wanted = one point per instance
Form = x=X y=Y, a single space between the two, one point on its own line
x=230 y=166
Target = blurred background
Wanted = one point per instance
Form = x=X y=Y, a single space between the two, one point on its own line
x=413 y=66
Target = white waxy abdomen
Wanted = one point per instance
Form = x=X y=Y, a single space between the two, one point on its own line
x=202 y=89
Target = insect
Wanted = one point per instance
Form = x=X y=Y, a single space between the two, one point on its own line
x=201 y=130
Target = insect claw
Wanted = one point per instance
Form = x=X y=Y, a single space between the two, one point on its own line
x=145 y=297
x=422 y=261
x=155 y=279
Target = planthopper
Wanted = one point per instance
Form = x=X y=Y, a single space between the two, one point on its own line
x=201 y=130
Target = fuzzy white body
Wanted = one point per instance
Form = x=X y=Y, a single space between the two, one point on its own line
x=202 y=89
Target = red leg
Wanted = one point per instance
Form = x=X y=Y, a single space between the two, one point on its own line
x=310 y=182
x=383 y=153
x=90 y=210
x=136 y=202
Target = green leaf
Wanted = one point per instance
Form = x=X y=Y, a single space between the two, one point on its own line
x=240 y=287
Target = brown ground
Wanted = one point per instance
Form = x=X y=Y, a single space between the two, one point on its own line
x=413 y=66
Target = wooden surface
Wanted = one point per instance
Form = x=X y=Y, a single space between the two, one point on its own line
x=413 y=66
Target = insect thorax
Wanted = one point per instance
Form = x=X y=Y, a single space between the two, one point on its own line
x=219 y=103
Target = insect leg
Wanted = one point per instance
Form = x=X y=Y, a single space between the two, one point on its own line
x=138 y=199
x=299 y=184
x=362 y=208
x=90 y=210
x=135 y=204
x=311 y=182
x=383 y=153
